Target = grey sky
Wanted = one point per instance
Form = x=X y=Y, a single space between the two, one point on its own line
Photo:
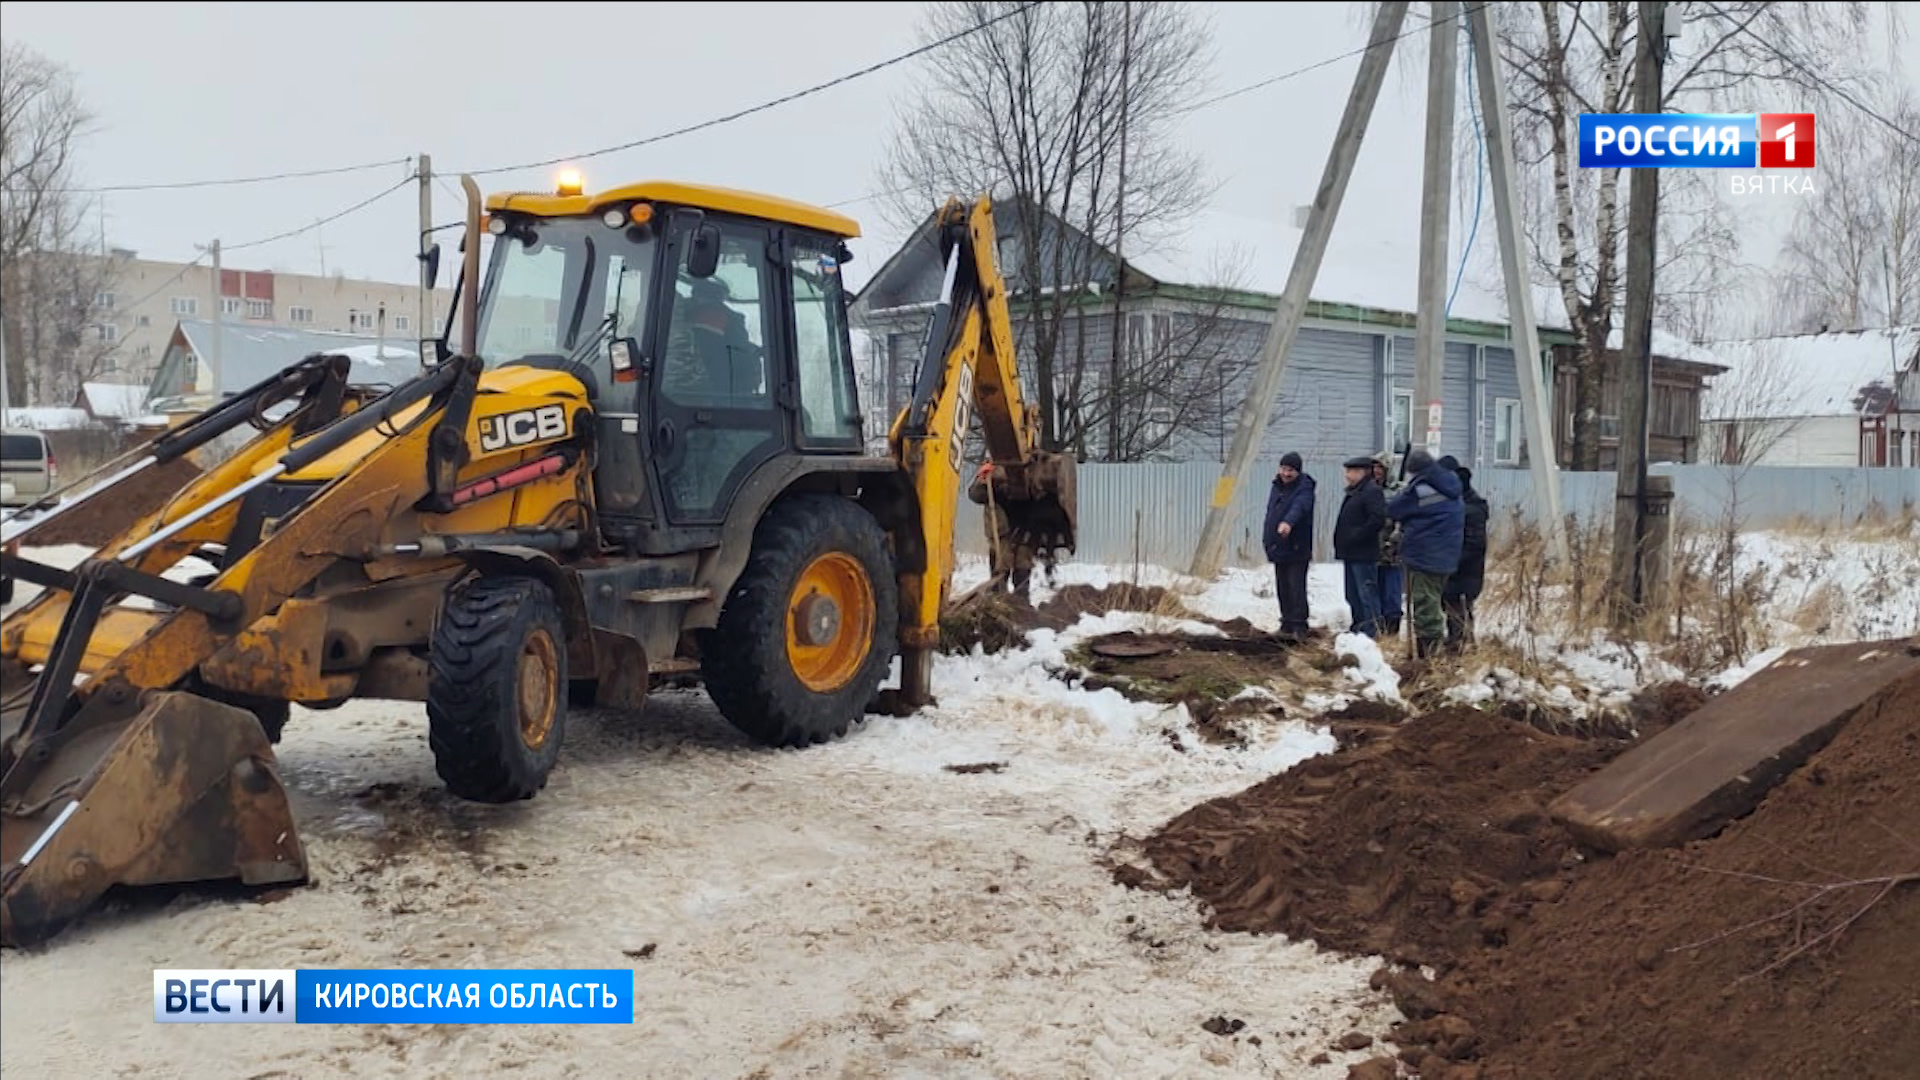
x=193 y=91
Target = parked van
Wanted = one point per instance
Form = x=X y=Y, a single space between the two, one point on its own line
x=27 y=469
x=27 y=474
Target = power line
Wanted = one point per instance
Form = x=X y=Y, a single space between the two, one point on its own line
x=1424 y=27
x=764 y=106
x=291 y=233
x=164 y=286
x=1743 y=28
x=182 y=185
x=1273 y=80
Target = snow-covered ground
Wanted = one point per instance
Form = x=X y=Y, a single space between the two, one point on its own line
x=857 y=909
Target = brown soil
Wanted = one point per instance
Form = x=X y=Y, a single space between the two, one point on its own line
x=1415 y=844
x=997 y=621
x=1670 y=963
x=1659 y=707
x=1785 y=946
x=106 y=516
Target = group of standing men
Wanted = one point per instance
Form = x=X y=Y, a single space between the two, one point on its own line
x=1423 y=535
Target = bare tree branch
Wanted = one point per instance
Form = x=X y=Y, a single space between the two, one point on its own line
x=1031 y=111
x=49 y=279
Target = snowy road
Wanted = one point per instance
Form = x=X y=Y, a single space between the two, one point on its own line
x=851 y=910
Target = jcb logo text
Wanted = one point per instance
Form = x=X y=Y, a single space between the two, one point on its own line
x=522 y=428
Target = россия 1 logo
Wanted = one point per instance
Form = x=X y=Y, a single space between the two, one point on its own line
x=1696 y=141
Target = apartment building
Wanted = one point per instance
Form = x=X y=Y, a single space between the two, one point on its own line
x=136 y=315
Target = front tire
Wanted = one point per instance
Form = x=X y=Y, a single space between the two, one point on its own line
x=808 y=631
x=497 y=689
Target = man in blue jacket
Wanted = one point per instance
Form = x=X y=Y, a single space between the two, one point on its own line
x=1434 y=520
x=1289 y=542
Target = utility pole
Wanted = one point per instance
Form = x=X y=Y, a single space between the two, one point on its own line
x=1503 y=177
x=1636 y=375
x=1255 y=411
x=1436 y=194
x=1117 y=364
x=426 y=241
x=6 y=373
x=219 y=318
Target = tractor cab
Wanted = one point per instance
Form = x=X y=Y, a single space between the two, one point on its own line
x=708 y=327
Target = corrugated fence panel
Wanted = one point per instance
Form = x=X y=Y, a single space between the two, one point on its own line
x=1154 y=512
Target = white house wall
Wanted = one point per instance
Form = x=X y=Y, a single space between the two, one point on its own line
x=1823 y=441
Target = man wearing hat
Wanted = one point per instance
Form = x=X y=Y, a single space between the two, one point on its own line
x=1435 y=522
x=1393 y=584
x=1288 y=541
x=1009 y=556
x=1356 y=543
x=1463 y=588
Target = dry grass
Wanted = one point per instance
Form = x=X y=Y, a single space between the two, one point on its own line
x=1713 y=614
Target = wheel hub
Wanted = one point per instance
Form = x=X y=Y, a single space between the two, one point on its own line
x=830 y=618
x=819 y=620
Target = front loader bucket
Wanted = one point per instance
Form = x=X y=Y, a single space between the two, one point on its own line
x=184 y=790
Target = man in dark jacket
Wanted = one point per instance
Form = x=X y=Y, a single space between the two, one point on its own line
x=1463 y=588
x=1435 y=528
x=1393 y=585
x=1356 y=543
x=1288 y=540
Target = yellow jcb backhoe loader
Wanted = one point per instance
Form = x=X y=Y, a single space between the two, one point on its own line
x=644 y=458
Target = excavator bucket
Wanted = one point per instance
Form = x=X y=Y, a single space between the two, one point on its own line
x=183 y=789
x=1045 y=514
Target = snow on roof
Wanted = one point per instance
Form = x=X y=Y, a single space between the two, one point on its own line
x=252 y=353
x=45 y=419
x=116 y=401
x=1843 y=373
x=1371 y=272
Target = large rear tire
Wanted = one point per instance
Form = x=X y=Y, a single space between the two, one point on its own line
x=805 y=637
x=497 y=689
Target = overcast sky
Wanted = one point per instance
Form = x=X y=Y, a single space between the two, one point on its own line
x=197 y=91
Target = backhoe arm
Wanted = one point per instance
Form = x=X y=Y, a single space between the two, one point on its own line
x=969 y=368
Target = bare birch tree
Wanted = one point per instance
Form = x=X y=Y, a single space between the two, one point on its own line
x=1852 y=260
x=1065 y=114
x=1566 y=59
x=49 y=281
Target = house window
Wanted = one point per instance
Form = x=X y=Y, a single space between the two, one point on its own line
x=1400 y=421
x=300 y=314
x=1149 y=338
x=1159 y=427
x=186 y=306
x=144 y=352
x=1506 y=431
x=259 y=309
x=108 y=333
x=363 y=320
x=103 y=300
x=144 y=321
x=402 y=324
x=230 y=305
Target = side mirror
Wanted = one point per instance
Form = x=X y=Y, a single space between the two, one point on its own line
x=621 y=357
x=703 y=253
x=432 y=259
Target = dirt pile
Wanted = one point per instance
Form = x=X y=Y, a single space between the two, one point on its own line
x=995 y=621
x=1417 y=842
x=1784 y=946
x=101 y=519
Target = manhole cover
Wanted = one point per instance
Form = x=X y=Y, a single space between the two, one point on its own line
x=1130 y=647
